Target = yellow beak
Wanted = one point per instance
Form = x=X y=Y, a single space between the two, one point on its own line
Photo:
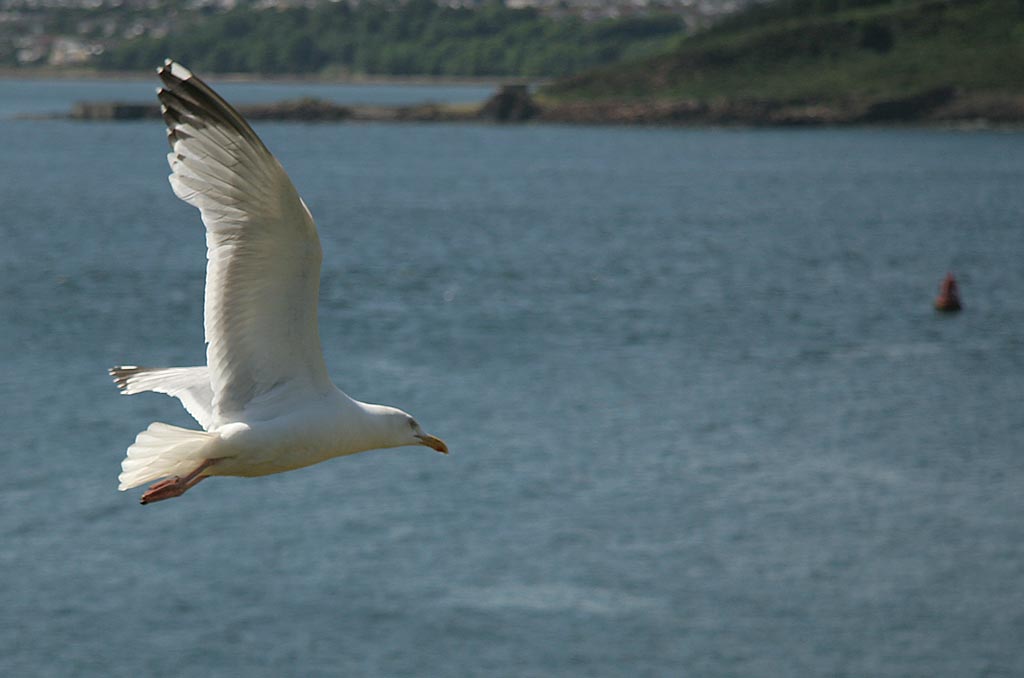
x=433 y=443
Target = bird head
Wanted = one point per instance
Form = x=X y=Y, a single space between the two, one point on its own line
x=405 y=430
x=391 y=427
x=421 y=438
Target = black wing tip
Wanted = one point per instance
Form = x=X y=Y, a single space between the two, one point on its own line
x=173 y=72
x=121 y=374
x=180 y=99
x=185 y=94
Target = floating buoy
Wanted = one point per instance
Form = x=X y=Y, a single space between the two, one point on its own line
x=949 y=298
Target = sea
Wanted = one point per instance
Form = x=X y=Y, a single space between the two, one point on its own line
x=703 y=418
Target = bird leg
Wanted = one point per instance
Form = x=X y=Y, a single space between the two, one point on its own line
x=176 y=486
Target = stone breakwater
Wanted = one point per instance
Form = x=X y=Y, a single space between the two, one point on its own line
x=515 y=104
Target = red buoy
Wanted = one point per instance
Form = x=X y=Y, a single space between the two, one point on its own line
x=949 y=297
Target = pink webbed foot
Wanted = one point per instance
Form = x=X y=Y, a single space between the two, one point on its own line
x=165 y=489
x=176 y=486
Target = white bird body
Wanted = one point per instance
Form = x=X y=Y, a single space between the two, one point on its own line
x=264 y=400
x=333 y=425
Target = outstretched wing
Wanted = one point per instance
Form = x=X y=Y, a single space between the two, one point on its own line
x=190 y=385
x=263 y=253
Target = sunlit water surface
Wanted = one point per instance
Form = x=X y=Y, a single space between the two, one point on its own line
x=703 y=418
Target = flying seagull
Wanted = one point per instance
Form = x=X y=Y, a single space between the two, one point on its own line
x=264 y=399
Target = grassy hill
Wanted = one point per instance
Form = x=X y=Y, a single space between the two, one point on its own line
x=396 y=37
x=832 y=52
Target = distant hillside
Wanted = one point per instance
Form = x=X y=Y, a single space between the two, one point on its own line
x=398 y=37
x=563 y=34
x=853 y=53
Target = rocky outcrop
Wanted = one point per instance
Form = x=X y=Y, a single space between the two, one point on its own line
x=304 y=110
x=511 y=103
x=910 y=108
x=936 y=106
x=514 y=104
x=299 y=109
x=113 y=110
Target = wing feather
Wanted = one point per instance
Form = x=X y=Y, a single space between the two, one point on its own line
x=190 y=385
x=263 y=252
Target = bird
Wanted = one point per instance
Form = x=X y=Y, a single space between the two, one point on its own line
x=264 y=400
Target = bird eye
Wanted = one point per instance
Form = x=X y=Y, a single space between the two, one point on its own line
x=413 y=424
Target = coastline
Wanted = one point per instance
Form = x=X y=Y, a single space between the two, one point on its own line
x=514 y=104
x=50 y=73
x=944 y=106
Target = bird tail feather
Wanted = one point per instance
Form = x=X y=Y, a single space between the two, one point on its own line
x=161 y=451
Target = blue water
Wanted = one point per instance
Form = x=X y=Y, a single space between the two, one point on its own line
x=26 y=97
x=703 y=418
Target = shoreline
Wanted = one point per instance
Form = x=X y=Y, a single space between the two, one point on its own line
x=517 y=104
x=942 y=106
x=47 y=73
x=513 y=104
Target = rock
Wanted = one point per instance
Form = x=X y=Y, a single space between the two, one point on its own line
x=113 y=110
x=915 y=107
x=512 y=103
x=306 y=110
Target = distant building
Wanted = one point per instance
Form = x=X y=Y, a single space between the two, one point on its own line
x=65 y=51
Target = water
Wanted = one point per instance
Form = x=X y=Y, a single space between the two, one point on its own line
x=26 y=97
x=703 y=419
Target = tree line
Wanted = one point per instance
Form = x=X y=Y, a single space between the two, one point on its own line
x=396 y=37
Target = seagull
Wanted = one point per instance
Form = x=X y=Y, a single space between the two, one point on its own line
x=264 y=399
